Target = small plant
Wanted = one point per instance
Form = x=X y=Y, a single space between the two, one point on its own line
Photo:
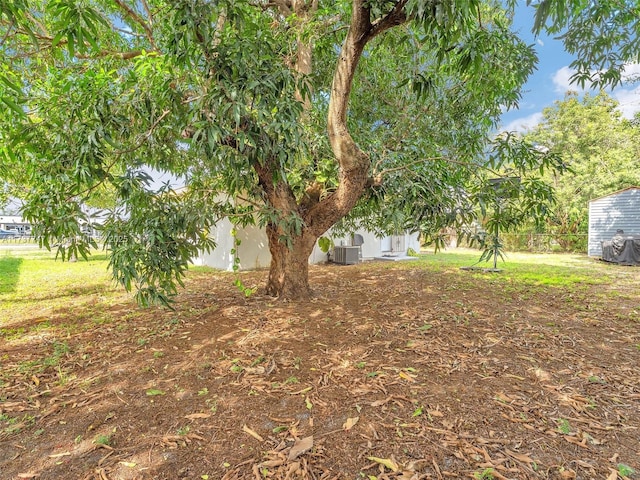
x=236 y=367
x=158 y=354
x=242 y=288
x=625 y=470
x=564 y=427
x=183 y=430
x=202 y=392
x=291 y=380
x=213 y=405
x=102 y=440
x=258 y=361
x=486 y=474
x=361 y=364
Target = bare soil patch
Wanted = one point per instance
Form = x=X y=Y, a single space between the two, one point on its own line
x=389 y=372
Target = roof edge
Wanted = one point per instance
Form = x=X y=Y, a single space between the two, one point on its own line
x=615 y=193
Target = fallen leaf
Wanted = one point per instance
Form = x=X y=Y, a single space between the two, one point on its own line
x=301 y=447
x=58 y=455
x=435 y=413
x=299 y=392
x=406 y=376
x=129 y=464
x=253 y=433
x=259 y=370
x=379 y=403
x=519 y=456
x=573 y=440
x=503 y=397
x=613 y=475
x=35 y=379
x=28 y=475
x=567 y=474
x=349 y=424
x=387 y=462
x=194 y=416
x=542 y=375
x=153 y=392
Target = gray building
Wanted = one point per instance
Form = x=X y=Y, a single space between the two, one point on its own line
x=616 y=211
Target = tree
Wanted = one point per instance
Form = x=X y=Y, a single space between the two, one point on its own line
x=599 y=146
x=236 y=97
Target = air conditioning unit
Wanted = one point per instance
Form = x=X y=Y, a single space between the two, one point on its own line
x=346 y=255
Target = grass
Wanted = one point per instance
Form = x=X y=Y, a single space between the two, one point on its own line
x=520 y=272
x=34 y=285
x=31 y=277
x=561 y=270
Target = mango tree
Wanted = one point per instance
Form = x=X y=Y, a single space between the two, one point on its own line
x=290 y=113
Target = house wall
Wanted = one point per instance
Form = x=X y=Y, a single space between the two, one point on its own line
x=620 y=210
x=253 y=251
x=12 y=222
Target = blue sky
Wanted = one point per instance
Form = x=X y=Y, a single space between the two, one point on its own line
x=551 y=80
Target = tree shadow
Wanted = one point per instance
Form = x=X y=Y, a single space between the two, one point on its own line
x=9 y=274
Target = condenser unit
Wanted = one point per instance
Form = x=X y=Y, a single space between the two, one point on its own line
x=346 y=255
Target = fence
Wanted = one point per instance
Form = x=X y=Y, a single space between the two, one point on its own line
x=542 y=242
x=16 y=239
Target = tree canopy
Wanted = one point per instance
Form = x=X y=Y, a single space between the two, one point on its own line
x=289 y=113
x=600 y=147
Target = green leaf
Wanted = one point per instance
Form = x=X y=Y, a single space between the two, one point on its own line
x=14 y=106
x=153 y=392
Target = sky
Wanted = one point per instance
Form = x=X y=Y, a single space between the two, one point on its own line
x=550 y=81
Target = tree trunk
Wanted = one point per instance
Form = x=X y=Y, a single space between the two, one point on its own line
x=289 y=269
x=288 y=274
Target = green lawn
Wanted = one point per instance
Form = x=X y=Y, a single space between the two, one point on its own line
x=533 y=269
x=33 y=282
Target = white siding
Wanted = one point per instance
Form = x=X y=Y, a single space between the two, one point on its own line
x=253 y=252
x=620 y=210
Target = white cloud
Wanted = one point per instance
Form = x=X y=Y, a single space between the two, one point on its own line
x=562 y=81
x=540 y=42
x=562 y=78
x=631 y=72
x=629 y=99
x=524 y=123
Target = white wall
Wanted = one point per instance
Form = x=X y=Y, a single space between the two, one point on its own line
x=254 y=247
x=620 y=210
x=253 y=251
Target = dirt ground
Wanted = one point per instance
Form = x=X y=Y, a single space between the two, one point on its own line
x=390 y=372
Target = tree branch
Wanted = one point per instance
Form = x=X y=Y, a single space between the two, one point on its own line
x=133 y=15
x=283 y=6
x=120 y=55
x=397 y=16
